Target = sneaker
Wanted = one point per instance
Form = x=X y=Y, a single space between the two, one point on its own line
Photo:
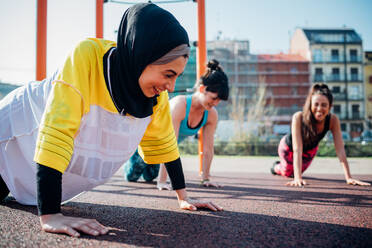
x=272 y=169
x=163 y=186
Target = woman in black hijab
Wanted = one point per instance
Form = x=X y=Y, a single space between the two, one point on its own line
x=89 y=118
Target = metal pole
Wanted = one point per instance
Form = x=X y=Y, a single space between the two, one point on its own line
x=41 y=39
x=201 y=63
x=99 y=19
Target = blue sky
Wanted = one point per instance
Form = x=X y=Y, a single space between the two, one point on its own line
x=267 y=24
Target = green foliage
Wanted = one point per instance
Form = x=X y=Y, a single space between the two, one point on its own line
x=256 y=148
x=326 y=150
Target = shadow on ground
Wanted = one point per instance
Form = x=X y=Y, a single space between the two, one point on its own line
x=162 y=228
x=320 y=191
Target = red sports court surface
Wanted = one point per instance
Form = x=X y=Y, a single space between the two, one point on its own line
x=259 y=211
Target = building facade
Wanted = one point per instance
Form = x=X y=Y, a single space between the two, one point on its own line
x=287 y=78
x=284 y=76
x=336 y=58
x=368 y=88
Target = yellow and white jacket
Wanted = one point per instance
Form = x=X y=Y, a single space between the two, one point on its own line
x=69 y=122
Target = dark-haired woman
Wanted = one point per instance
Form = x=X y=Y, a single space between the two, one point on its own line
x=297 y=149
x=73 y=131
x=189 y=114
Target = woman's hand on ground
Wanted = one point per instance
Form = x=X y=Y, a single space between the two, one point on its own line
x=352 y=181
x=297 y=183
x=58 y=223
x=194 y=204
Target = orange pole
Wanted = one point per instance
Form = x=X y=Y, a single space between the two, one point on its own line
x=41 y=39
x=99 y=19
x=201 y=56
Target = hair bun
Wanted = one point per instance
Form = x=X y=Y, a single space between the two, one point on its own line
x=213 y=65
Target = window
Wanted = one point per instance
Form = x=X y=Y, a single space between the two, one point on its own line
x=317 y=55
x=336 y=89
x=336 y=71
x=334 y=55
x=370 y=79
x=293 y=69
x=293 y=91
x=354 y=92
x=356 y=127
x=318 y=75
x=343 y=127
x=337 y=109
x=354 y=74
x=353 y=55
x=355 y=112
x=335 y=74
x=355 y=108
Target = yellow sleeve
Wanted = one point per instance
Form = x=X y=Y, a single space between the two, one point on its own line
x=159 y=144
x=64 y=110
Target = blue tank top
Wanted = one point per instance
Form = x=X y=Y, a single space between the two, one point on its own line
x=185 y=130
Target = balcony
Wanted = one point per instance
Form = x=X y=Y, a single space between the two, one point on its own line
x=337 y=59
x=356 y=116
x=354 y=59
x=342 y=97
x=283 y=72
x=355 y=97
x=335 y=78
x=329 y=78
x=339 y=96
x=340 y=115
x=355 y=77
x=352 y=116
x=288 y=110
x=327 y=59
x=318 y=77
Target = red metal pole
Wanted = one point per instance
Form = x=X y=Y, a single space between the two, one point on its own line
x=41 y=39
x=99 y=19
x=201 y=63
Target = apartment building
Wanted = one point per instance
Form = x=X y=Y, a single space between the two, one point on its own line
x=368 y=88
x=228 y=53
x=335 y=57
x=241 y=69
x=284 y=76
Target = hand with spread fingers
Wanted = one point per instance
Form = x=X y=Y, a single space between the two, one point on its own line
x=58 y=223
x=352 y=181
x=297 y=183
x=194 y=204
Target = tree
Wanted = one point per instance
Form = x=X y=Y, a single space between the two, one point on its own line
x=251 y=112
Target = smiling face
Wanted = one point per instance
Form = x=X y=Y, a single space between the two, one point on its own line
x=157 y=78
x=320 y=107
x=208 y=99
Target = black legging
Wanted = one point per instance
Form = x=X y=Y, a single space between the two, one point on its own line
x=4 y=191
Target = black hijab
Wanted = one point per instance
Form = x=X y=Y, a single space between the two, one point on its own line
x=146 y=33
